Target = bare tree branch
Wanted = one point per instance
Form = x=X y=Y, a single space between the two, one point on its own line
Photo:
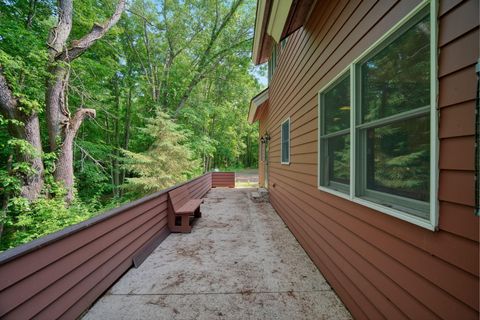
x=206 y=58
x=135 y=13
x=88 y=155
x=57 y=83
x=98 y=31
x=78 y=118
x=220 y=54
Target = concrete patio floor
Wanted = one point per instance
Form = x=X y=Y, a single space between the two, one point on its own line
x=239 y=262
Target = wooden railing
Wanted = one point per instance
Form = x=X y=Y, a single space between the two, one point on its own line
x=223 y=179
x=62 y=274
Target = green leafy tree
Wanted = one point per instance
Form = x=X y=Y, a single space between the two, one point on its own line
x=166 y=162
x=182 y=65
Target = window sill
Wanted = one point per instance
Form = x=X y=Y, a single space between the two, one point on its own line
x=335 y=192
x=383 y=209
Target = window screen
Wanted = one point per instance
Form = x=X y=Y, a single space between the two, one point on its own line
x=394 y=114
x=335 y=135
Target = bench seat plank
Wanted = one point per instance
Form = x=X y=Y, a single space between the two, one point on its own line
x=190 y=206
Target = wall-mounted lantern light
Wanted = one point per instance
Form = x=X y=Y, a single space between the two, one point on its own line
x=265 y=138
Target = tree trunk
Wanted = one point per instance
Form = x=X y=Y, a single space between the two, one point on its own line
x=108 y=139
x=128 y=120
x=6 y=197
x=151 y=69
x=30 y=131
x=116 y=141
x=64 y=168
x=62 y=127
x=126 y=132
x=58 y=74
x=31 y=13
x=33 y=183
x=56 y=102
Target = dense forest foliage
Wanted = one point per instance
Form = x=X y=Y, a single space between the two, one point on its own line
x=105 y=101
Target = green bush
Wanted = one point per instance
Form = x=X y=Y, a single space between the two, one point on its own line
x=26 y=222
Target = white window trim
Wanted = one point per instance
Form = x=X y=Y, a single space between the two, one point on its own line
x=432 y=222
x=319 y=97
x=289 y=140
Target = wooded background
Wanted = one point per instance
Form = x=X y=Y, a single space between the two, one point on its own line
x=105 y=101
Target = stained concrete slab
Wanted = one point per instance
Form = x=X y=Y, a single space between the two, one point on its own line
x=239 y=262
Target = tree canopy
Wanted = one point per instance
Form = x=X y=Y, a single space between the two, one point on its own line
x=105 y=101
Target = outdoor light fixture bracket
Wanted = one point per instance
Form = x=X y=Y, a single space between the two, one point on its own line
x=265 y=138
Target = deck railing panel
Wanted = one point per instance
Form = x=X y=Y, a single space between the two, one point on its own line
x=63 y=274
x=30 y=259
x=60 y=275
x=223 y=179
x=200 y=187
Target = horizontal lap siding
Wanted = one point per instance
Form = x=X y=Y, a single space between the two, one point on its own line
x=65 y=276
x=459 y=50
x=201 y=186
x=380 y=266
x=223 y=179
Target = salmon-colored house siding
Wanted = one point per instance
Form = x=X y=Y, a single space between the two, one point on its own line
x=262 y=161
x=380 y=266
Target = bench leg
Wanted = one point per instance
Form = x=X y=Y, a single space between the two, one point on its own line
x=185 y=226
x=198 y=213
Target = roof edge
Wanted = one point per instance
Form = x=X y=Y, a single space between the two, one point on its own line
x=255 y=103
x=276 y=20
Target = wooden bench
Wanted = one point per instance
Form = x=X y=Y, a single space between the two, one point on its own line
x=182 y=207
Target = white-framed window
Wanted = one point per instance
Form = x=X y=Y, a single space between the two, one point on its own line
x=378 y=124
x=285 y=142
x=272 y=63
x=334 y=128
